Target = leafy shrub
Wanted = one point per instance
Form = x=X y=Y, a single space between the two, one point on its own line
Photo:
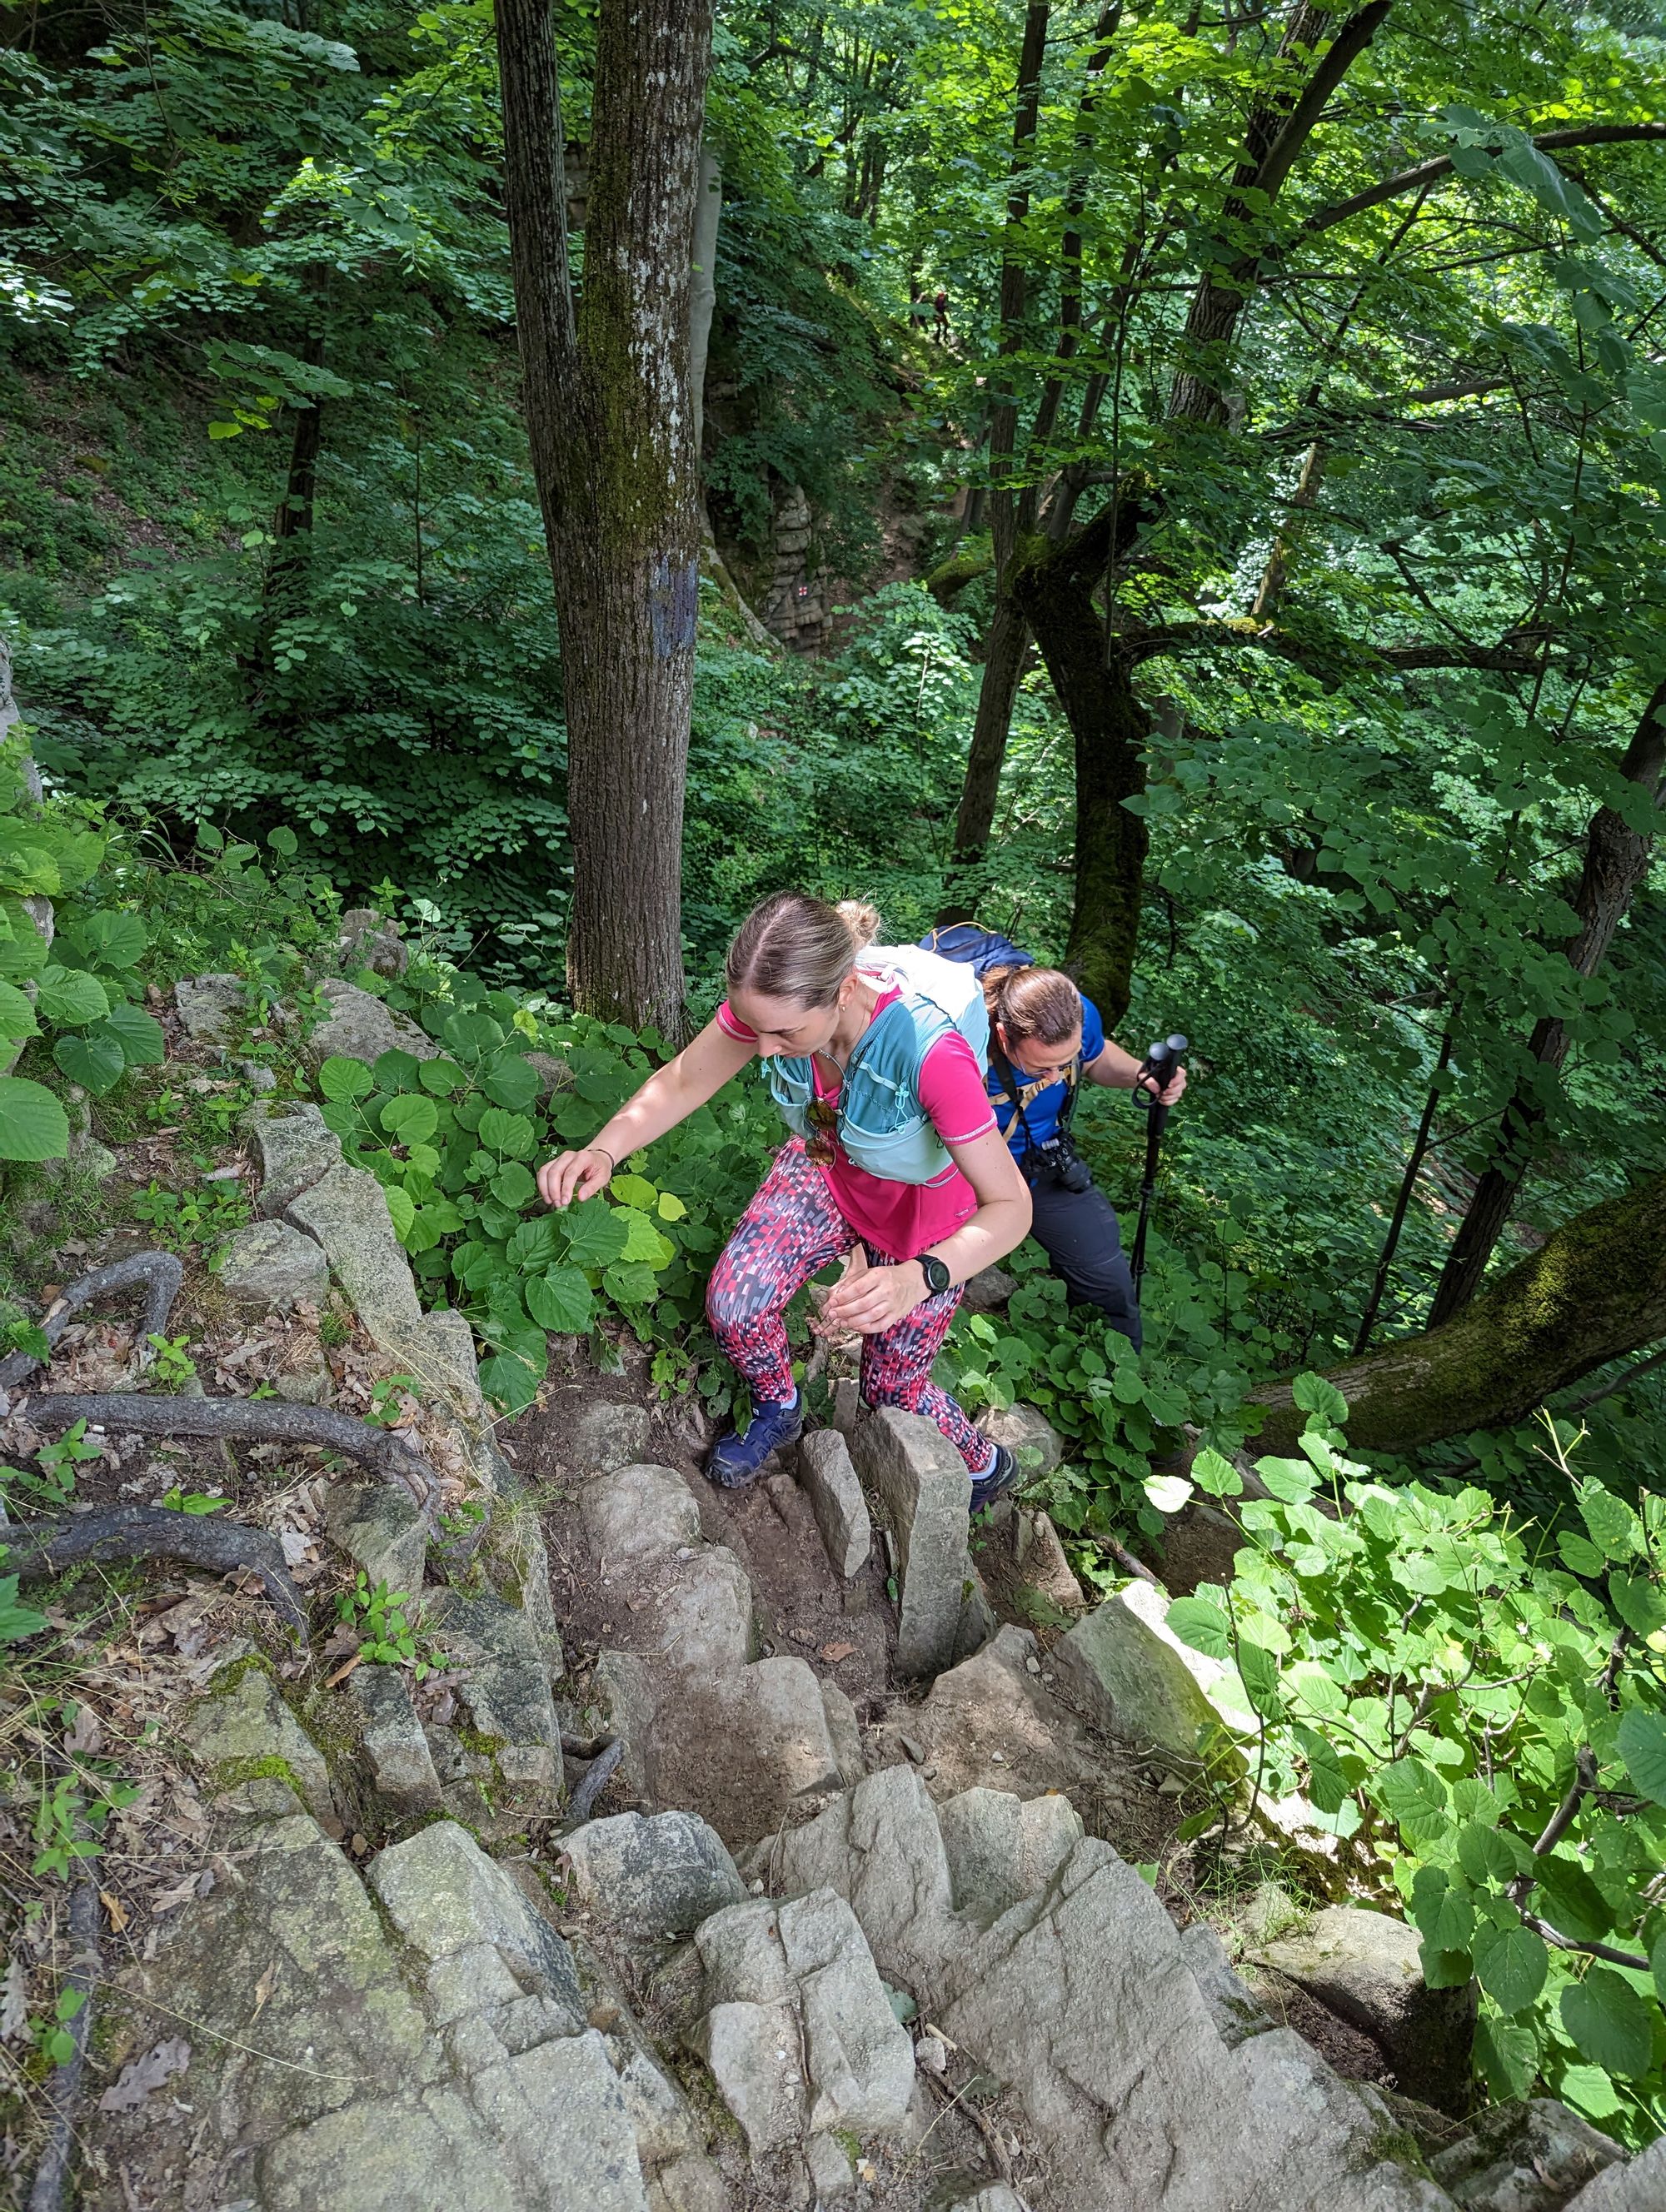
x=1476 y=1709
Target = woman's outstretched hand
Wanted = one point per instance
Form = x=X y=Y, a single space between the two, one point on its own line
x=871 y=1300
x=574 y=1175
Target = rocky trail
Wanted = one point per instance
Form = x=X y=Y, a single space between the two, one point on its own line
x=802 y=1848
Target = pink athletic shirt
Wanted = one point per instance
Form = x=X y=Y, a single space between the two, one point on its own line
x=903 y=1219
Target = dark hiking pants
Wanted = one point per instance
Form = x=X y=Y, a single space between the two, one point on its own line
x=1078 y=1232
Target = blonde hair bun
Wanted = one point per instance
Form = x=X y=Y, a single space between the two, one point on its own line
x=861 y=918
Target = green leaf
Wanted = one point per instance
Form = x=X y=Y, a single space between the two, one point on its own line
x=1568 y=1898
x=560 y=1300
x=1613 y=1525
x=536 y=1244
x=395 y=1070
x=595 y=1233
x=511 y=1136
x=1609 y=2022
x=402 y=1209
x=344 y=1079
x=1658 y=1967
x=669 y=1206
x=1168 y=1493
x=16 y=1014
x=1203 y=1626
x=1579 y=1555
x=95 y=1062
x=631 y=1283
x=1639 y=1602
x=1491 y=1854
x=513 y=1185
x=1259 y=1670
x=441 y=1077
x=644 y=1241
x=1412 y=1793
x=32 y=1123
x=113 y=940
x=70 y=996
x=1444 y=1916
x=633 y=1190
x=1511 y=1964
x=138 y=1033
x=1313 y=1395
x=1507 y=2053
x=1589 y=2090
x=1211 y=1472
x=1316 y=1689
x=1641 y=1742
x=511 y=1081
x=1290 y=1480
x=1327 y=1784
x=411 y=1119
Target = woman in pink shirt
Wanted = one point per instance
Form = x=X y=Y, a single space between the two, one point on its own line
x=895 y=1159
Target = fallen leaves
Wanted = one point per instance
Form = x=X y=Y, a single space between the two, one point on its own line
x=263 y=1990
x=138 y=2079
x=834 y=1653
x=115 y=1911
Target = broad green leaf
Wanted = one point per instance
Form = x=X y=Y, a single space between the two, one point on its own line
x=1589 y=2090
x=1579 y=1555
x=669 y=1206
x=138 y=1033
x=596 y=1234
x=1168 y=1493
x=633 y=1190
x=1259 y=1671
x=32 y=1123
x=1313 y=1395
x=95 y=1062
x=343 y=1078
x=1411 y=1792
x=1316 y=1689
x=1291 y=1480
x=1511 y=1964
x=441 y=1077
x=536 y=1244
x=1613 y=1525
x=644 y=1241
x=16 y=1014
x=1565 y=1895
x=1216 y=1474
x=1641 y=1742
x=1658 y=1967
x=113 y=940
x=70 y=996
x=511 y=1136
x=560 y=1300
x=511 y=1081
x=402 y=1208
x=411 y=1119
x=1203 y=1626
x=1639 y=1603
x=1507 y=2054
x=1491 y=1854
x=1609 y=2022
x=1442 y=1909
x=1326 y=1783
x=631 y=1283
x=395 y=1070
x=509 y=1381
x=513 y=1185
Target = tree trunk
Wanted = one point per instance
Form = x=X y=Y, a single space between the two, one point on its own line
x=1616 y=861
x=702 y=286
x=1054 y=588
x=610 y=425
x=1003 y=667
x=1593 y=1292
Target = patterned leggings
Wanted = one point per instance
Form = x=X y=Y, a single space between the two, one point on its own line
x=792 y=1230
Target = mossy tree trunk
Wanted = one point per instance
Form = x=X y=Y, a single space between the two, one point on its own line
x=610 y=423
x=1593 y=1292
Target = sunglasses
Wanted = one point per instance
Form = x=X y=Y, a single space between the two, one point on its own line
x=824 y=1118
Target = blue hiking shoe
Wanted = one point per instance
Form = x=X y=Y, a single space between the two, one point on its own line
x=1006 y=1475
x=737 y=1461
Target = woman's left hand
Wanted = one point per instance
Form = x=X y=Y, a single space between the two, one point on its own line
x=874 y=1299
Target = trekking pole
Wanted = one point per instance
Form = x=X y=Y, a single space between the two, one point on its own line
x=1159 y=1063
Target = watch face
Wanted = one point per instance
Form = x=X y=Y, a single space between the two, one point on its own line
x=936 y=1274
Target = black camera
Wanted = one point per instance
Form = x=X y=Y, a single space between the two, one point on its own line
x=1059 y=1160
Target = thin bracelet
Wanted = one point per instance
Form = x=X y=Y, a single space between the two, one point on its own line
x=612 y=1164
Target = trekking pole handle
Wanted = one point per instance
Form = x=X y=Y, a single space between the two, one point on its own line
x=1160 y=1063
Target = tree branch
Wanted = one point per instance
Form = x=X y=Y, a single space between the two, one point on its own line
x=38 y=1550
x=1429 y=173
x=1174 y=638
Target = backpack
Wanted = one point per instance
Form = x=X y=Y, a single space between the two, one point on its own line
x=981 y=949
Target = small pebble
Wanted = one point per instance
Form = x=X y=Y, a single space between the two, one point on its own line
x=997 y=1759
x=1033 y=1664
x=757 y=1887
x=1047 y=1678
x=916 y=1751
x=685 y=1551
x=929 y=1770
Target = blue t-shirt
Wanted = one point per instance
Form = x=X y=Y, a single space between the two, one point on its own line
x=1041 y=1102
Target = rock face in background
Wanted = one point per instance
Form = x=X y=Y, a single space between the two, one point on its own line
x=211 y=1007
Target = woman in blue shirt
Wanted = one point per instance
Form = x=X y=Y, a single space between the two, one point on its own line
x=1045 y=1039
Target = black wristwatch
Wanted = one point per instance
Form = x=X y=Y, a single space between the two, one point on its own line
x=936 y=1273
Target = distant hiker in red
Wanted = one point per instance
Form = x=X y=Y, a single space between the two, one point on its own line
x=875 y=1056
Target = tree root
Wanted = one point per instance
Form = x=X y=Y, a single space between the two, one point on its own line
x=160 y=1272
x=63 y=2090
x=584 y=1797
x=266 y=1419
x=37 y=1550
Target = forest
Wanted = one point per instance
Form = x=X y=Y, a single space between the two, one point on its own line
x=1182 y=486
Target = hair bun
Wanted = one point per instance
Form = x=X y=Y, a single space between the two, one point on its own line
x=861 y=918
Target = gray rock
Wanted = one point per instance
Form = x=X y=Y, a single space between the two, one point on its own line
x=245 y=1723
x=368 y=939
x=395 y=1749
x=752 y=2052
x=268 y=1265
x=926 y=1491
x=359 y=1026
x=688 y=2185
x=597 y=1435
x=444 y=1896
x=706 y=1624
x=477 y=1979
x=638 y=1512
x=1130 y=1676
x=296 y=1151
x=211 y=1007
x=655 y=1877
x=859 y=2057
x=847 y=1408
x=997 y=2197
x=1366 y=1967
x=1639 y=2185
x=988 y=1289
x=503 y=1680
x=1234 y=2009
x=1026 y=1431
x=1042 y=1564
x=258 y=1075
x=1526 y=2157
x=991 y=1722
x=381 y=1529
x=836 y=1497
x=1001 y=1850
x=828 y=2164
x=346 y=1212
x=553 y=1074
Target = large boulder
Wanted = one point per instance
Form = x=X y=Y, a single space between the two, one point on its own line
x=653 y=1877
x=243 y=1728
x=637 y=1512
x=212 y=1008
x=1366 y=1966
x=1133 y=1675
x=396 y=1752
x=1525 y=2157
x=503 y=1678
x=993 y=1720
x=361 y=1027
x=345 y=1213
x=925 y=1491
x=1028 y=1435
x=381 y=1529
x=828 y=1480
x=1638 y=2186
x=296 y=1148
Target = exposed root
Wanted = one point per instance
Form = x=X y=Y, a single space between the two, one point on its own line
x=38 y=1549
x=584 y=1797
x=160 y=1272
x=63 y=2090
x=264 y=1419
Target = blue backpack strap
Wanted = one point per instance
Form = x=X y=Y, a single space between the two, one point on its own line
x=981 y=949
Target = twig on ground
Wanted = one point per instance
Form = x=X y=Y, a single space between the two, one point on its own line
x=63 y=2090
x=160 y=1272
x=40 y=1549
x=268 y=1420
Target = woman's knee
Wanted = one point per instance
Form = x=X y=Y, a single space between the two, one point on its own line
x=732 y=1305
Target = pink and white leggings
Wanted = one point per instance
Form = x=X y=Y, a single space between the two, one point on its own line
x=792 y=1230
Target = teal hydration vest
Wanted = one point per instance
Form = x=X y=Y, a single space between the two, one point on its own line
x=882 y=1125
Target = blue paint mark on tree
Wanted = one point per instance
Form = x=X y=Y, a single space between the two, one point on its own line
x=674 y=605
